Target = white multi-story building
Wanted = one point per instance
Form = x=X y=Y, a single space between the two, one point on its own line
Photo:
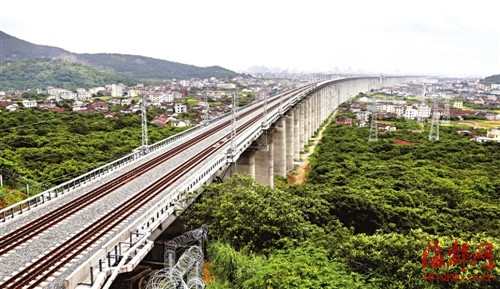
x=180 y=108
x=176 y=94
x=157 y=98
x=84 y=94
x=410 y=112
x=116 y=90
x=226 y=86
x=387 y=108
x=95 y=90
x=399 y=110
x=458 y=104
x=169 y=97
x=29 y=103
x=132 y=93
x=79 y=106
x=424 y=111
x=68 y=95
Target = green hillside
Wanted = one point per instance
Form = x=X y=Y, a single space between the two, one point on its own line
x=133 y=66
x=147 y=67
x=40 y=73
x=12 y=48
x=492 y=79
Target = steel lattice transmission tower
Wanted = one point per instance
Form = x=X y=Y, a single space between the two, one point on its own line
x=144 y=122
x=373 y=124
x=446 y=113
x=420 y=117
x=434 y=131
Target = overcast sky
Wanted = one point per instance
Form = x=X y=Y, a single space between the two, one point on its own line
x=458 y=38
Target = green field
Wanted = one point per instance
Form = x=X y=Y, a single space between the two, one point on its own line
x=192 y=101
x=480 y=123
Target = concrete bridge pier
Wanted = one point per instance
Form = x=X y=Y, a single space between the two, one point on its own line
x=302 y=124
x=318 y=110
x=279 y=141
x=246 y=163
x=296 y=134
x=264 y=161
x=309 y=120
x=312 y=116
x=290 y=135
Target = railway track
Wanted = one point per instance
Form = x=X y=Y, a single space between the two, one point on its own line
x=33 y=275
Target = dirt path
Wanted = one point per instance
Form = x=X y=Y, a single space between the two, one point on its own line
x=301 y=171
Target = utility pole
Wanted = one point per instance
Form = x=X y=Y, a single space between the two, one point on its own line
x=420 y=117
x=232 y=149
x=144 y=118
x=207 y=107
x=434 y=131
x=264 y=122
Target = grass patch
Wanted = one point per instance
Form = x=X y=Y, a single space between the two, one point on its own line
x=103 y=98
x=192 y=101
x=480 y=123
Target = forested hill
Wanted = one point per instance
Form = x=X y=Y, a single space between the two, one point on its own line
x=492 y=79
x=12 y=48
x=40 y=73
x=134 y=66
x=147 y=67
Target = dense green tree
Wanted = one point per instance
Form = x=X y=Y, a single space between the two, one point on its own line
x=374 y=208
x=50 y=148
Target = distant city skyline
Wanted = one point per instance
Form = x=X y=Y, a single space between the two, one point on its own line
x=452 y=38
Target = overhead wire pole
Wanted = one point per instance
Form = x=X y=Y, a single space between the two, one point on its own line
x=144 y=121
x=232 y=149
x=420 y=117
x=264 y=122
x=207 y=107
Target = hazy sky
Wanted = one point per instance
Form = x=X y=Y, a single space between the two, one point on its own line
x=431 y=37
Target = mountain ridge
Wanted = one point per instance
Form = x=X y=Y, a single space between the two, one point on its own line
x=135 y=66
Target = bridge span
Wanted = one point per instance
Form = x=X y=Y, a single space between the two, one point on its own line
x=82 y=233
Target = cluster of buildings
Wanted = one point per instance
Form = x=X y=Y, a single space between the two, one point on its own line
x=169 y=97
x=411 y=102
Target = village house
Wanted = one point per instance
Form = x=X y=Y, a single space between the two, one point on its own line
x=98 y=106
x=180 y=108
x=161 y=120
x=492 y=135
x=179 y=122
x=344 y=120
x=382 y=127
x=79 y=106
x=492 y=116
x=29 y=103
